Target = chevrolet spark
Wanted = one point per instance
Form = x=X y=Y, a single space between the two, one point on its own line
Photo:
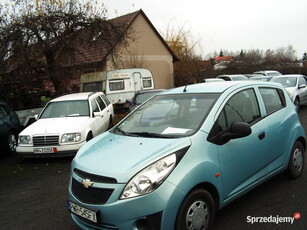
x=184 y=154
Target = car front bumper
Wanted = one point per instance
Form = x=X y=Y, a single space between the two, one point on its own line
x=58 y=150
x=156 y=210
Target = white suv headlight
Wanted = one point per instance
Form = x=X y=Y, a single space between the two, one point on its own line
x=71 y=137
x=25 y=140
x=150 y=178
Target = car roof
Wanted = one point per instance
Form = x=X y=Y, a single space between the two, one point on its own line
x=75 y=96
x=231 y=75
x=267 y=71
x=217 y=87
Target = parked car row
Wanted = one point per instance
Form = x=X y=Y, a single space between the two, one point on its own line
x=153 y=161
x=63 y=125
x=265 y=75
x=295 y=84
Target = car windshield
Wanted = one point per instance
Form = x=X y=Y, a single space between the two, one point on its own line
x=140 y=98
x=286 y=81
x=272 y=74
x=168 y=116
x=238 y=78
x=66 y=109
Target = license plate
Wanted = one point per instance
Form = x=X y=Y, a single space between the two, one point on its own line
x=45 y=150
x=83 y=212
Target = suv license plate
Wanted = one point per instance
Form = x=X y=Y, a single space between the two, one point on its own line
x=83 y=212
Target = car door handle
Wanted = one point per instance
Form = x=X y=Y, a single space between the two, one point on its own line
x=261 y=136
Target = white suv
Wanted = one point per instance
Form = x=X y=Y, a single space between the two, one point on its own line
x=65 y=124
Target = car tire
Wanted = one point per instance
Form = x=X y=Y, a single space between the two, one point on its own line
x=89 y=136
x=12 y=142
x=297 y=103
x=196 y=211
x=296 y=161
x=110 y=123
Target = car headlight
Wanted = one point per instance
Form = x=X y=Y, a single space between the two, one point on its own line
x=71 y=137
x=150 y=178
x=25 y=140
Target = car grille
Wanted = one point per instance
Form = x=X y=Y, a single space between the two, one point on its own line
x=45 y=140
x=94 y=177
x=90 y=195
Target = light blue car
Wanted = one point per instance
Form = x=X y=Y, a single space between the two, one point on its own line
x=184 y=154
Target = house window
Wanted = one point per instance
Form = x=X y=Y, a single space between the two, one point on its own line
x=116 y=85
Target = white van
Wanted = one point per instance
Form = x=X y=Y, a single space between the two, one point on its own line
x=119 y=85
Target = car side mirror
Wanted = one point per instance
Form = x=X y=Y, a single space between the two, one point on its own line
x=36 y=117
x=235 y=131
x=301 y=86
x=238 y=130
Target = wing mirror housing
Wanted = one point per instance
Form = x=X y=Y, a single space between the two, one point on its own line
x=235 y=131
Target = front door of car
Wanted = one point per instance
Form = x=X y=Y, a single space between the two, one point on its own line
x=243 y=160
x=104 y=115
x=99 y=118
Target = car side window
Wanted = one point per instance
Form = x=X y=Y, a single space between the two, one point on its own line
x=106 y=100
x=301 y=81
x=242 y=107
x=100 y=103
x=95 y=107
x=274 y=99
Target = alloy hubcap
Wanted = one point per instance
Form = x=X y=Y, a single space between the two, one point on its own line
x=197 y=217
x=12 y=142
x=298 y=160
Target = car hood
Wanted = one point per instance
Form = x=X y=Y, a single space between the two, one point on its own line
x=56 y=125
x=121 y=157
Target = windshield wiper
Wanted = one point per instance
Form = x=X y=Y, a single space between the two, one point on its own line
x=120 y=131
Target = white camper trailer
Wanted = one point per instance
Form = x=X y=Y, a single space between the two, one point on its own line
x=119 y=85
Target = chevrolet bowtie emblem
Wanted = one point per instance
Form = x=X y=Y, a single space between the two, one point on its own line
x=87 y=183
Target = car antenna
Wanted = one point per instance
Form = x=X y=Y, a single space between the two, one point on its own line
x=185 y=88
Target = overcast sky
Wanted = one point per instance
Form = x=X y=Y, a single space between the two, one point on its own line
x=227 y=24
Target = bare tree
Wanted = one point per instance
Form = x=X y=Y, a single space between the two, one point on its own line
x=39 y=37
x=179 y=39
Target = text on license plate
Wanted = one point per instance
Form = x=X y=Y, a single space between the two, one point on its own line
x=45 y=150
x=83 y=212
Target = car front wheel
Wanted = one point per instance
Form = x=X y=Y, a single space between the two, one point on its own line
x=12 y=142
x=196 y=212
x=296 y=161
x=297 y=103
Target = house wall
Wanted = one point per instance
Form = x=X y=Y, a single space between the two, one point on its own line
x=151 y=53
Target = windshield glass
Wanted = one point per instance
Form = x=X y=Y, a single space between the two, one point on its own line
x=66 y=109
x=272 y=74
x=286 y=81
x=168 y=116
x=140 y=98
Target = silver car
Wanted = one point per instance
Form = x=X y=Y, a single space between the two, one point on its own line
x=295 y=85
